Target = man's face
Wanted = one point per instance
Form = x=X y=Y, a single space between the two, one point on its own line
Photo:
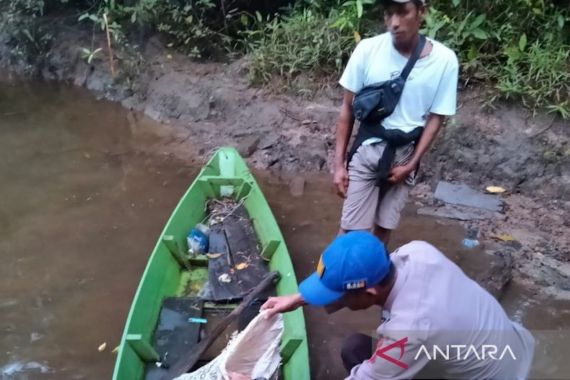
x=354 y=300
x=403 y=21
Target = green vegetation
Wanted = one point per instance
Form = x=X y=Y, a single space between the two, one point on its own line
x=19 y=22
x=301 y=42
x=519 y=48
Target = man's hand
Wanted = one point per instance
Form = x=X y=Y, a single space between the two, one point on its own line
x=400 y=173
x=282 y=304
x=340 y=180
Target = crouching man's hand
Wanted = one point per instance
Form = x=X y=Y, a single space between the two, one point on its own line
x=282 y=304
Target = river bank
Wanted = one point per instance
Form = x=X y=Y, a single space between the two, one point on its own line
x=205 y=105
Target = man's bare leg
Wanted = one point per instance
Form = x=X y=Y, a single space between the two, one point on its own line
x=382 y=234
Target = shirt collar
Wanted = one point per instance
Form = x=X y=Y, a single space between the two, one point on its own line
x=401 y=278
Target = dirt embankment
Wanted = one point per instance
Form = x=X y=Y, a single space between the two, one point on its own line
x=213 y=104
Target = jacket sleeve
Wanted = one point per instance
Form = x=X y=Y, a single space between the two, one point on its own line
x=394 y=359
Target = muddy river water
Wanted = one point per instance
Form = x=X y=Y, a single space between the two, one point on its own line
x=85 y=189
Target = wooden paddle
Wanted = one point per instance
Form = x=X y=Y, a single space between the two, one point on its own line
x=185 y=363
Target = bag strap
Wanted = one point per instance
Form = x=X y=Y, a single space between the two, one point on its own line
x=414 y=57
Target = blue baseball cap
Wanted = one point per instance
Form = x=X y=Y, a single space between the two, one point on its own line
x=355 y=260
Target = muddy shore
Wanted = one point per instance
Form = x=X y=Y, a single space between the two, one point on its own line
x=206 y=105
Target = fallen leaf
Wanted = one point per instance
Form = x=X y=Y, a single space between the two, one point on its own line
x=241 y=266
x=213 y=255
x=169 y=56
x=504 y=237
x=116 y=349
x=102 y=347
x=495 y=189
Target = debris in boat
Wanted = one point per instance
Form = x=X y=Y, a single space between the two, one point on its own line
x=241 y=266
x=220 y=209
x=205 y=292
x=495 y=189
x=215 y=220
x=102 y=347
x=161 y=363
x=198 y=239
x=198 y=320
x=225 y=278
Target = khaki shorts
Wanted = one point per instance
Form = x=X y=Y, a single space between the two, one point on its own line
x=363 y=208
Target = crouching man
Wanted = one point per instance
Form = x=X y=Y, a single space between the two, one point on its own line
x=435 y=319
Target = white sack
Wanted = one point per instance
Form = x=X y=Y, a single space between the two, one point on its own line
x=253 y=352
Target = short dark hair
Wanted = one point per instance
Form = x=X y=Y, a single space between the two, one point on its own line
x=389 y=276
x=418 y=3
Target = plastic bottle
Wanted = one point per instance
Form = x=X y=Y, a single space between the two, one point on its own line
x=198 y=239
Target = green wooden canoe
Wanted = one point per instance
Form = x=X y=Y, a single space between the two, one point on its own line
x=166 y=274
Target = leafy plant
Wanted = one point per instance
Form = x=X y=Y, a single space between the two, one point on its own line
x=90 y=55
x=519 y=45
x=301 y=43
x=349 y=16
x=104 y=20
x=188 y=27
x=27 y=37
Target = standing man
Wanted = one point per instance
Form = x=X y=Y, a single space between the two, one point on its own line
x=429 y=95
x=435 y=318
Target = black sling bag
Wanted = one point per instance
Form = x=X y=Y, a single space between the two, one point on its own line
x=374 y=103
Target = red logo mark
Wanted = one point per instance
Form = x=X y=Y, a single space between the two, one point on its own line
x=381 y=352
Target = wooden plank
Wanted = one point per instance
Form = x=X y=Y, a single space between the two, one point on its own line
x=174 y=334
x=221 y=266
x=143 y=348
x=242 y=243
